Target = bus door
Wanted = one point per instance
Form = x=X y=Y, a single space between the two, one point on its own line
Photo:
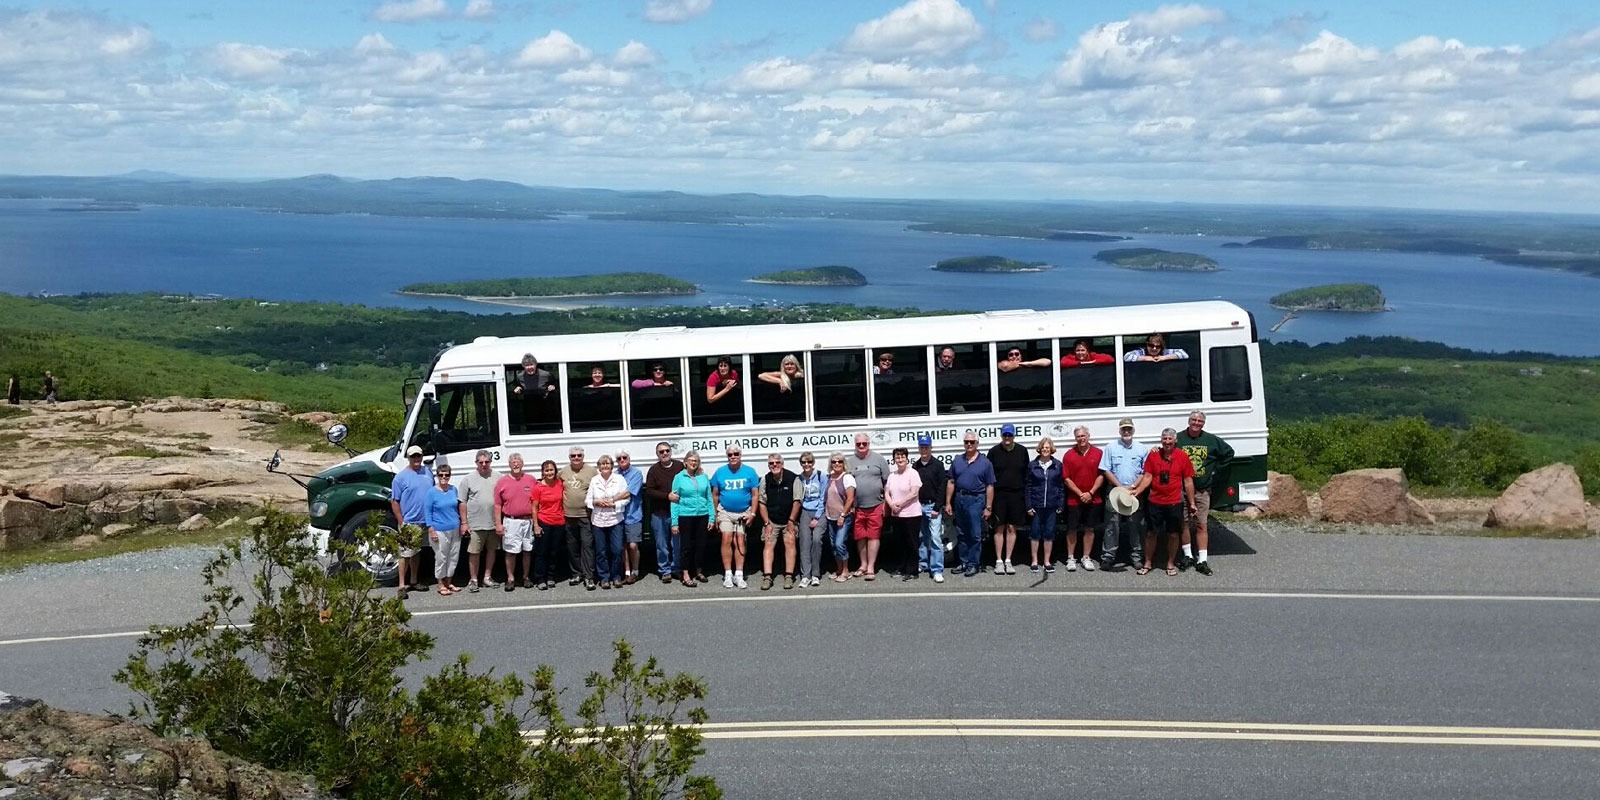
x=460 y=415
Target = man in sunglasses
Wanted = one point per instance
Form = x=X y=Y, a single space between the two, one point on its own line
x=657 y=485
x=969 y=500
x=1171 y=480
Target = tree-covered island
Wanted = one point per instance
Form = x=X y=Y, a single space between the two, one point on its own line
x=989 y=264
x=814 y=276
x=1363 y=297
x=1015 y=230
x=613 y=284
x=1150 y=258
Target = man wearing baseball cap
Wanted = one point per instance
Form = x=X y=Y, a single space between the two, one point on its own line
x=1122 y=461
x=930 y=549
x=408 y=499
x=1010 y=463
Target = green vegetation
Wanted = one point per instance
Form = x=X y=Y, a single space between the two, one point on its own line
x=1587 y=264
x=989 y=264
x=145 y=451
x=300 y=670
x=1150 y=258
x=1332 y=297
x=1380 y=240
x=1006 y=228
x=815 y=276
x=618 y=283
x=1486 y=456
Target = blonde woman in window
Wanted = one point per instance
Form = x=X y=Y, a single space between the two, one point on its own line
x=787 y=373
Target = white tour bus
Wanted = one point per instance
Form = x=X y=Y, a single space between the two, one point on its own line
x=895 y=379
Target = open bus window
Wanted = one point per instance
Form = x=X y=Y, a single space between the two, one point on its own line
x=900 y=382
x=468 y=419
x=1161 y=368
x=655 y=393
x=1027 y=380
x=1088 y=372
x=838 y=384
x=961 y=378
x=778 y=393
x=531 y=402
x=716 y=390
x=595 y=396
x=1230 y=373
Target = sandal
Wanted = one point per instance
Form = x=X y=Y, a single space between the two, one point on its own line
x=1171 y=571
x=1142 y=570
x=860 y=572
x=444 y=592
x=871 y=576
x=840 y=578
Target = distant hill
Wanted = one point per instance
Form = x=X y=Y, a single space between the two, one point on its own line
x=815 y=276
x=1367 y=240
x=619 y=283
x=992 y=264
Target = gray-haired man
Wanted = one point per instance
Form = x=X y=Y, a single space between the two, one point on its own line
x=477 y=491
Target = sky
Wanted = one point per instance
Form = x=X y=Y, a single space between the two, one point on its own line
x=1424 y=104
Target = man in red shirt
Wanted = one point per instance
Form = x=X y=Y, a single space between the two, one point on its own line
x=513 y=520
x=1080 y=468
x=1171 y=480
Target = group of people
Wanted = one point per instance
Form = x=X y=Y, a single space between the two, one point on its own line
x=585 y=522
x=14 y=389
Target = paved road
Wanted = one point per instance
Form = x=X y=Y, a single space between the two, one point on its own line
x=1405 y=633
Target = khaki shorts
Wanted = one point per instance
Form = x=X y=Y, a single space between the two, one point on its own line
x=481 y=539
x=770 y=533
x=410 y=540
x=1202 y=507
x=729 y=522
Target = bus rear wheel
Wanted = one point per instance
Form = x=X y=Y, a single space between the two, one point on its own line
x=382 y=565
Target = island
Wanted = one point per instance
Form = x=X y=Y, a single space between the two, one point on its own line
x=1582 y=263
x=989 y=264
x=1379 y=241
x=1362 y=297
x=1150 y=258
x=513 y=290
x=815 y=276
x=1014 y=230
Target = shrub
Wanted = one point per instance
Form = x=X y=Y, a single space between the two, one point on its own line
x=1488 y=455
x=302 y=672
x=372 y=427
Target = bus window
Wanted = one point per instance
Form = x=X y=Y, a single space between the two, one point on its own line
x=900 y=382
x=655 y=396
x=468 y=419
x=716 y=390
x=838 y=384
x=778 y=393
x=1027 y=382
x=532 y=404
x=595 y=396
x=1088 y=372
x=961 y=378
x=1230 y=373
x=1160 y=368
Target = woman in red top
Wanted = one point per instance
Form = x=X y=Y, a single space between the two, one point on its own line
x=725 y=379
x=1083 y=355
x=552 y=521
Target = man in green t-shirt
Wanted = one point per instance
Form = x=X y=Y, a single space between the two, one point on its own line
x=1209 y=455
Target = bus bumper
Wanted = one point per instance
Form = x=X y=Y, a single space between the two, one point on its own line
x=1254 y=492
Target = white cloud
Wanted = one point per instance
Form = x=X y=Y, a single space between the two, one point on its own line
x=479 y=9
x=553 y=50
x=1330 y=54
x=595 y=75
x=373 y=44
x=1041 y=29
x=675 y=11
x=775 y=75
x=1586 y=89
x=920 y=27
x=636 y=54
x=248 y=60
x=1173 y=20
x=411 y=11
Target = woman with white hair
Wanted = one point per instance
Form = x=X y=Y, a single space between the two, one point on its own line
x=607 y=498
x=787 y=373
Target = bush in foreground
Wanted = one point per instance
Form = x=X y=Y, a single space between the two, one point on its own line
x=301 y=671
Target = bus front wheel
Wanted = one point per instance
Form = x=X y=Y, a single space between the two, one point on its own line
x=383 y=565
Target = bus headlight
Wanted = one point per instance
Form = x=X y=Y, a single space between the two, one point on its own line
x=319 y=509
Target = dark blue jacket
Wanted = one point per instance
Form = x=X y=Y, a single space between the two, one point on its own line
x=1046 y=490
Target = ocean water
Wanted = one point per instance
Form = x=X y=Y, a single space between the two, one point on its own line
x=1462 y=301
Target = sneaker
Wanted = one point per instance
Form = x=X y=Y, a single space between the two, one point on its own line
x=527 y=583
x=1034 y=568
x=1011 y=569
x=1070 y=564
x=816 y=581
x=739 y=581
x=590 y=585
x=472 y=587
x=727 y=581
x=969 y=572
x=766 y=583
x=488 y=584
x=573 y=581
x=511 y=586
x=1184 y=562
x=1089 y=565
x=1050 y=569
x=545 y=586
x=938 y=577
x=788 y=581
x=1203 y=567
x=1107 y=564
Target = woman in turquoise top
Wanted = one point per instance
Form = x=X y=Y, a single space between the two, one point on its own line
x=445 y=526
x=691 y=516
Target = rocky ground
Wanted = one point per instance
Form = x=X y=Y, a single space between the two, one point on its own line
x=98 y=469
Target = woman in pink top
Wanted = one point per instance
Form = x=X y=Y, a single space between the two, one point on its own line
x=725 y=379
x=901 y=500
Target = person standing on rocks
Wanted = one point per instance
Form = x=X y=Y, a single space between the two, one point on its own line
x=1209 y=454
x=408 y=500
x=477 y=491
x=14 y=390
x=49 y=388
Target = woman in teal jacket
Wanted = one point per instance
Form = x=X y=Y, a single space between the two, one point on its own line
x=691 y=516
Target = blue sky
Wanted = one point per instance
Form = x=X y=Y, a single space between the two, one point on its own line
x=1419 y=104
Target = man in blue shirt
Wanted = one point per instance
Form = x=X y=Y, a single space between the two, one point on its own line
x=633 y=517
x=733 y=488
x=408 y=500
x=1122 y=461
x=969 y=500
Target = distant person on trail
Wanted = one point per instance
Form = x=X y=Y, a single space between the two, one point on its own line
x=1171 y=479
x=1209 y=454
x=49 y=388
x=477 y=492
x=1083 y=355
x=14 y=390
x=408 y=500
x=721 y=381
x=1155 y=349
